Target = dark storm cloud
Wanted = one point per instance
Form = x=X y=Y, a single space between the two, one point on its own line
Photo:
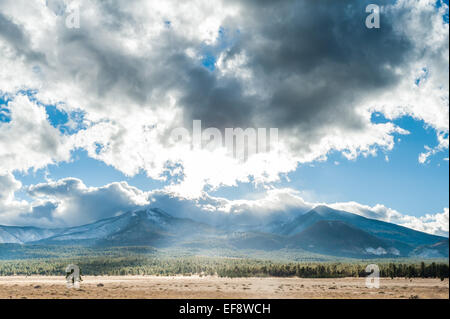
x=15 y=35
x=44 y=210
x=317 y=59
x=107 y=71
x=314 y=62
x=217 y=103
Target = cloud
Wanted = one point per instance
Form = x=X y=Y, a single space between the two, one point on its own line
x=8 y=186
x=432 y=223
x=136 y=71
x=443 y=145
x=68 y=202
x=423 y=91
x=75 y=203
x=29 y=140
x=20 y=42
x=271 y=205
x=10 y=207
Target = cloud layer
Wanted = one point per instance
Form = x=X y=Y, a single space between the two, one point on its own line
x=312 y=70
x=68 y=202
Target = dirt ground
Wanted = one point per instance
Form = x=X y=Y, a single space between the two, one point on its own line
x=213 y=287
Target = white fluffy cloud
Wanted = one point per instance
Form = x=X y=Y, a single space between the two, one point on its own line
x=65 y=202
x=76 y=203
x=270 y=205
x=10 y=207
x=28 y=140
x=423 y=92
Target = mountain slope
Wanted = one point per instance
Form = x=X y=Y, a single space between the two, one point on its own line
x=340 y=239
x=438 y=250
x=321 y=230
x=20 y=235
x=374 y=227
x=144 y=227
x=256 y=240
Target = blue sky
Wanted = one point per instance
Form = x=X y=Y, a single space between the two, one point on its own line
x=401 y=183
x=439 y=5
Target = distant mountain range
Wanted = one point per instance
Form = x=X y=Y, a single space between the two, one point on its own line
x=322 y=230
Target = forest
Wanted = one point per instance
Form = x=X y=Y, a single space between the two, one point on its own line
x=220 y=266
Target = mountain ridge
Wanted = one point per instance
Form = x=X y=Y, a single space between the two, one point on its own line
x=321 y=230
x=385 y=230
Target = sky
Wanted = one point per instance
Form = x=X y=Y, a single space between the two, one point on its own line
x=92 y=91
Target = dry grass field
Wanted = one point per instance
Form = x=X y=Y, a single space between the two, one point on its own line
x=192 y=287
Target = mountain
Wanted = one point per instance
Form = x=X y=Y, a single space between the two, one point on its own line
x=374 y=227
x=322 y=230
x=256 y=240
x=152 y=227
x=340 y=239
x=20 y=235
x=438 y=250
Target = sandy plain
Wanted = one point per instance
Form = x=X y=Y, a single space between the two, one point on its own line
x=196 y=287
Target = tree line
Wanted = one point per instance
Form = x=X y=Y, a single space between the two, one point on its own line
x=223 y=267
